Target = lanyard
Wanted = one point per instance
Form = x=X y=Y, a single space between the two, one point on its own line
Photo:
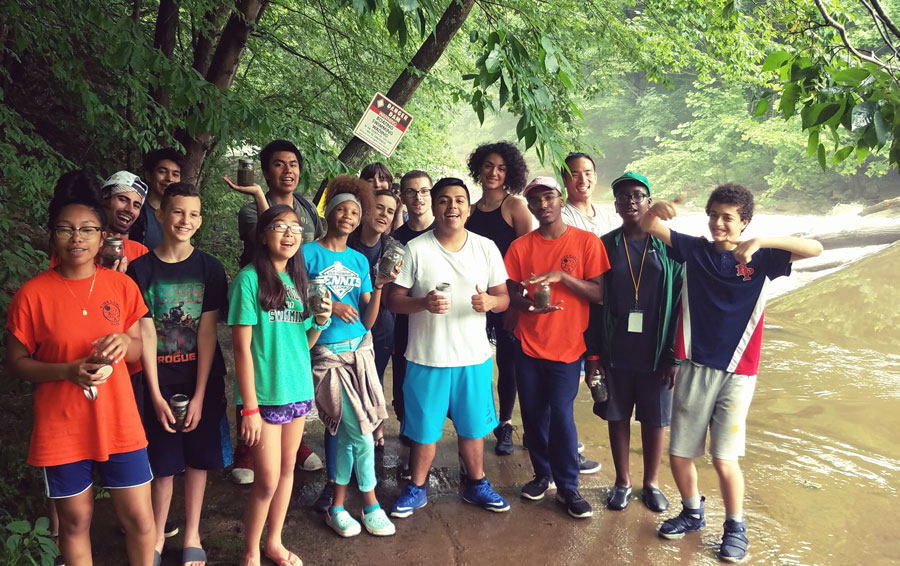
x=636 y=282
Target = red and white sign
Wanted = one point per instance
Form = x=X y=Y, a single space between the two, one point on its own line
x=383 y=124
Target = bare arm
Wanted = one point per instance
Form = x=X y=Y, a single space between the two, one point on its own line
x=259 y=196
x=251 y=425
x=312 y=335
x=590 y=290
x=401 y=303
x=661 y=210
x=373 y=300
x=519 y=214
x=206 y=348
x=496 y=299
x=799 y=248
x=151 y=375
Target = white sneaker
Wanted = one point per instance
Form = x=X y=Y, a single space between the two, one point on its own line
x=311 y=462
x=242 y=476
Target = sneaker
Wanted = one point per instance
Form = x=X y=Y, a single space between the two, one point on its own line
x=536 y=488
x=307 y=460
x=412 y=498
x=586 y=466
x=170 y=530
x=580 y=447
x=242 y=472
x=686 y=521
x=734 y=541
x=481 y=493
x=323 y=502
x=504 y=440
x=577 y=506
x=378 y=524
x=654 y=499
x=618 y=497
x=342 y=523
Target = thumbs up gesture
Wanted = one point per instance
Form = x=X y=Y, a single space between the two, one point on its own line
x=481 y=301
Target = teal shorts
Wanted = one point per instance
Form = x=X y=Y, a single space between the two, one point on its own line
x=465 y=394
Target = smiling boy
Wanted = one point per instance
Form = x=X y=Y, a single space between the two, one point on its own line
x=719 y=337
x=184 y=288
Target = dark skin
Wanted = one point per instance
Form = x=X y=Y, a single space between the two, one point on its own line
x=546 y=205
x=652 y=438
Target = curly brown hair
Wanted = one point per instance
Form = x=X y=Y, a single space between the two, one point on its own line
x=516 y=168
x=356 y=187
x=734 y=194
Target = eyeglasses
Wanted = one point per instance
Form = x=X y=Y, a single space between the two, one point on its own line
x=282 y=228
x=409 y=193
x=67 y=232
x=636 y=198
x=539 y=200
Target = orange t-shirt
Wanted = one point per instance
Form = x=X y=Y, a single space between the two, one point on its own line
x=558 y=335
x=132 y=250
x=46 y=318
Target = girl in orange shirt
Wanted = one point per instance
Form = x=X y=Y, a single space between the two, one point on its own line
x=84 y=413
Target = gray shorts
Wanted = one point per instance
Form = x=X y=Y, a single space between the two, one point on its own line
x=714 y=399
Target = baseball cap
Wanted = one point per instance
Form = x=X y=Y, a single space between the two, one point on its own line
x=541 y=182
x=632 y=176
x=124 y=182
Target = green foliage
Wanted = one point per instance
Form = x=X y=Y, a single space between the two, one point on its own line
x=24 y=545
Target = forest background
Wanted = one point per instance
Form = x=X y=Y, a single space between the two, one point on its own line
x=798 y=100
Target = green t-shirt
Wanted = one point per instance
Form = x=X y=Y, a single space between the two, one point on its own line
x=279 y=349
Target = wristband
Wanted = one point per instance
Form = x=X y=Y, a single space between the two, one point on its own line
x=248 y=412
x=317 y=326
x=379 y=288
x=592 y=358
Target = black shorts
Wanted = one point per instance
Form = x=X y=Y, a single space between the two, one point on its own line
x=636 y=392
x=207 y=447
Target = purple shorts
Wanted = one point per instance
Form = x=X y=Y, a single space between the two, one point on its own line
x=283 y=414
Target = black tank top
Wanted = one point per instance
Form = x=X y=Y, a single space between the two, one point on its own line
x=492 y=226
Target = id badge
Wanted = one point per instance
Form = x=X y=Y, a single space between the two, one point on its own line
x=635 y=321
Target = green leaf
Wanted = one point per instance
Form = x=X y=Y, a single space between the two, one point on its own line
x=775 y=60
x=862 y=115
x=821 y=157
x=761 y=107
x=551 y=63
x=395 y=19
x=547 y=44
x=492 y=63
x=882 y=130
x=20 y=527
x=812 y=144
x=409 y=5
x=473 y=36
x=565 y=79
x=12 y=542
x=530 y=137
x=504 y=93
x=818 y=113
x=841 y=154
x=861 y=153
x=850 y=77
x=788 y=101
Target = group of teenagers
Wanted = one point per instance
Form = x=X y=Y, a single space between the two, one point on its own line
x=671 y=323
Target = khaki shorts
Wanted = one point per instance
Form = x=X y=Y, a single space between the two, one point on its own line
x=707 y=398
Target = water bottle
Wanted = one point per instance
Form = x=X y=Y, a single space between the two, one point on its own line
x=598 y=387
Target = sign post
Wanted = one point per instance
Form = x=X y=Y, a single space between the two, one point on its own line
x=383 y=124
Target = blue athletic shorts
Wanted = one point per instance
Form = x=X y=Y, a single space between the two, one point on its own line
x=128 y=469
x=207 y=447
x=464 y=393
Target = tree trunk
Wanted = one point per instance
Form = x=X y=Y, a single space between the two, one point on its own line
x=883 y=205
x=356 y=151
x=222 y=68
x=858 y=238
x=203 y=45
x=164 y=40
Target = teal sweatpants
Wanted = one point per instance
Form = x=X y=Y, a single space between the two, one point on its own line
x=355 y=451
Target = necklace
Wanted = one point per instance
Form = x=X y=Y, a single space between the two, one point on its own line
x=83 y=308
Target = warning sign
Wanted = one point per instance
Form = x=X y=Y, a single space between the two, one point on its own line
x=383 y=124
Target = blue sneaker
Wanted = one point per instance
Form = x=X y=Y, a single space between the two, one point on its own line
x=482 y=494
x=734 y=541
x=686 y=521
x=412 y=498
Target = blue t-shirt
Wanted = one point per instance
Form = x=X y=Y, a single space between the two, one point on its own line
x=346 y=274
x=723 y=303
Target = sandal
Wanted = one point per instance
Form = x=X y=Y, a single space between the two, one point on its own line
x=290 y=560
x=378 y=435
x=193 y=554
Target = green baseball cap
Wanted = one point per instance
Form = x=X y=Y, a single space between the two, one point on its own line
x=632 y=176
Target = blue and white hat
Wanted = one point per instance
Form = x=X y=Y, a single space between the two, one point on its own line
x=124 y=182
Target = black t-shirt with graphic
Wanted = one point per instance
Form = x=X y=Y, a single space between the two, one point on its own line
x=177 y=294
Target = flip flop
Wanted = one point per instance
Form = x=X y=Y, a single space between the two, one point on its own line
x=193 y=554
x=287 y=560
x=157 y=558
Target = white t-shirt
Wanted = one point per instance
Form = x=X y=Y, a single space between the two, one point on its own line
x=601 y=223
x=456 y=338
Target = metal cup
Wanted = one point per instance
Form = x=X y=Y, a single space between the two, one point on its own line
x=179 y=405
x=444 y=290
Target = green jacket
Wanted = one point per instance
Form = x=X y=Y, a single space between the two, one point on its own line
x=602 y=325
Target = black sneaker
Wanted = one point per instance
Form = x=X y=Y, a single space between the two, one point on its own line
x=323 y=502
x=577 y=506
x=536 y=488
x=586 y=466
x=504 y=440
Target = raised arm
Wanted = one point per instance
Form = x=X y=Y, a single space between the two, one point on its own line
x=799 y=248
x=660 y=210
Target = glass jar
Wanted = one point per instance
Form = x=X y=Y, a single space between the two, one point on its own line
x=542 y=295
x=317 y=292
x=391 y=258
x=113 y=250
x=245 y=174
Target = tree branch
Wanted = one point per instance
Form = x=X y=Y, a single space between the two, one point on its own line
x=846 y=40
x=884 y=18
